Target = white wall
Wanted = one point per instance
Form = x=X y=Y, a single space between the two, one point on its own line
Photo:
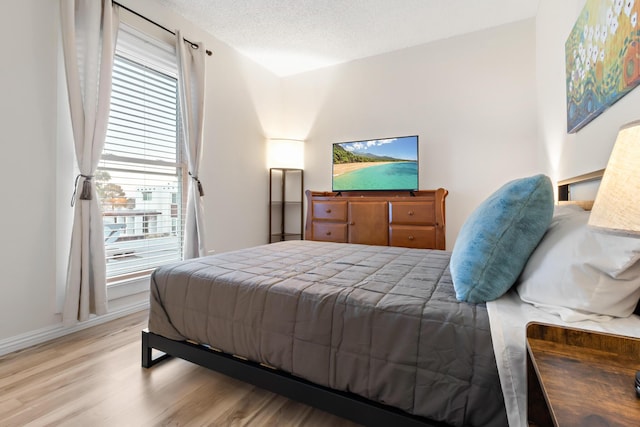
x=243 y=105
x=471 y=99
x=587 y=150
x=28 y=114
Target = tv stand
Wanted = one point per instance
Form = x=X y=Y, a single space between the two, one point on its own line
x=383 y=218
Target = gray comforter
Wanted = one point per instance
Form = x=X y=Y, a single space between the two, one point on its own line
x=378 y=321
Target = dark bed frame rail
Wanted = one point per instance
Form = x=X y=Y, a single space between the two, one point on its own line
x=342 y=404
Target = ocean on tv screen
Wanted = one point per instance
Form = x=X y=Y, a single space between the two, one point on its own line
x=381 y=176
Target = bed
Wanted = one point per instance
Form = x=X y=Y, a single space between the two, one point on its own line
x=374 y=334
x=379 y=322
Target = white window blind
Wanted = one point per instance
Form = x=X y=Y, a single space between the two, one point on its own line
x=140 y=179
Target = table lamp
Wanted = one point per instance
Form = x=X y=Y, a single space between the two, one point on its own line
x=617 y=205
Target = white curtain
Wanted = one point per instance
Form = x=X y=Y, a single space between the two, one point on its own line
x=89 y=29
x=191 y=89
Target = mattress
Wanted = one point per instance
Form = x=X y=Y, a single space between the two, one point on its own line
x=381 y=322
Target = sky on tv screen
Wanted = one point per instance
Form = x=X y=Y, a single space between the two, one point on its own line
x=405 y=148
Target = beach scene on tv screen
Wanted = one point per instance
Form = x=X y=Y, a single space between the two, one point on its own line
x=378 y=164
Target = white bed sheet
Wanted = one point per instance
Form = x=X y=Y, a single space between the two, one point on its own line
x=508 y=317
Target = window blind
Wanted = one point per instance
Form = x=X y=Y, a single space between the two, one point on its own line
x=140 y=179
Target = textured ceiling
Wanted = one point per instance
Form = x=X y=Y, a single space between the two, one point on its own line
x=292 y=36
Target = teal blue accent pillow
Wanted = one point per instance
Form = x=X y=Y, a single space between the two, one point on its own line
x=497 y=239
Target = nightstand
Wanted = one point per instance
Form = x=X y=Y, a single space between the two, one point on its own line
x=581 y=378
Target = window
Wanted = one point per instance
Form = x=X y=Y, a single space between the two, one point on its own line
x=141 y=176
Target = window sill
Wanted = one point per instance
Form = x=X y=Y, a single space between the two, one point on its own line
x=128 y=287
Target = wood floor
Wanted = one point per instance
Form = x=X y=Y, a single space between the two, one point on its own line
x=94 y=378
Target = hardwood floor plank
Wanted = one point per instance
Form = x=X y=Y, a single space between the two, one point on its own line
x=243 y=413
x=93 y=378
x=290 y=412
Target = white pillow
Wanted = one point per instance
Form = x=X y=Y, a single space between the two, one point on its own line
x=580 y=273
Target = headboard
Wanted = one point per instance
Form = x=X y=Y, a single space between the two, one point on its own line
x=564 y=189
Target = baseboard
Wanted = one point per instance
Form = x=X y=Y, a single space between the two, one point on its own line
x=20 y=342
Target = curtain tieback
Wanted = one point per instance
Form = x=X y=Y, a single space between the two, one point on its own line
x=85 y=194
x=200 y=190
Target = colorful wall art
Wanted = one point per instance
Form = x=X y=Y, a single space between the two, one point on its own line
x=602 y=58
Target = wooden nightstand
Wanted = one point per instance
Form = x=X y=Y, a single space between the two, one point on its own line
x=581 y=378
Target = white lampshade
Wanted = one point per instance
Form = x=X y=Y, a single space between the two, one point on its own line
x=285 y=153
x=617 y=205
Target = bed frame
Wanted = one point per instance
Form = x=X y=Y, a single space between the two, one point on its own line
x=342 y=404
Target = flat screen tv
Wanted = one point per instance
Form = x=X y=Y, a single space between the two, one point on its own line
x=376 y=164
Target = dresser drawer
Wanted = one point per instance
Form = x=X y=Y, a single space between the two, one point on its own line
x=422 y=213
x=330 y=232
x=412 y=237
x=330 y=211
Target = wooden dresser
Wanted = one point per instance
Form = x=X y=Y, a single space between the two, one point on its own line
x=389 y=218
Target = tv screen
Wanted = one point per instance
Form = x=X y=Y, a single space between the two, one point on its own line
x=376 y=164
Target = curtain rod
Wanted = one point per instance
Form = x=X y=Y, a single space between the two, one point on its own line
x=157 y=25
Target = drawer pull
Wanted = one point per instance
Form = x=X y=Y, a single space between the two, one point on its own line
x=411 y=237
x=328 y=211
x=410 y=213
x=328 y=233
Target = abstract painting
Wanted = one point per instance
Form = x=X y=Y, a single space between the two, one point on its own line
x=602 y=59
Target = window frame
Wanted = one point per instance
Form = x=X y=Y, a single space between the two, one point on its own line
x=137 y=47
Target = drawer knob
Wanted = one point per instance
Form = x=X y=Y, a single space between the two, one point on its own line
x=328 y=211
x=328 y=233
x=411 y=237
x=410 y=213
